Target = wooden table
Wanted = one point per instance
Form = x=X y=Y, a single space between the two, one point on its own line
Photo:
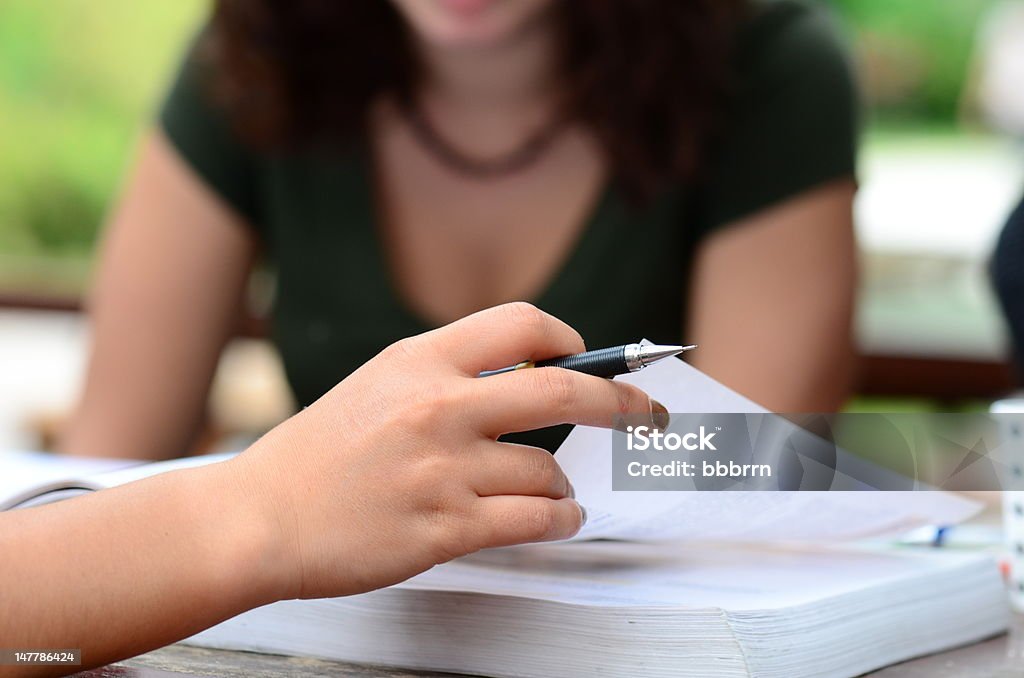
x=1000 y=657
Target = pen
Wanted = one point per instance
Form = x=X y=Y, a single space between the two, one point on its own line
x=604 y=362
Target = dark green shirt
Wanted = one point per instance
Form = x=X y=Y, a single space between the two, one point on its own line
x=791 y=127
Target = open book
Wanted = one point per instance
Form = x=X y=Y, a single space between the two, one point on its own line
x=35 y=478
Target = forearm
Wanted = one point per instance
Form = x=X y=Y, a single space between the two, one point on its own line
x=133 y=568
x=772 y=303
x=804 y=362
x=131 y=410
x=168 y=292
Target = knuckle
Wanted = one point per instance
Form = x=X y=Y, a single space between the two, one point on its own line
x=440 y=506
x=543 y=469
x=431 y=471
x=442 y=398
x=538 y=521
x=630 y=400
x=491 y=534
x=420 y=416
x=558 y=389
x=402 y=349
x=525 y=315
x=452 y=535
x=428 y=409
x=451 y=544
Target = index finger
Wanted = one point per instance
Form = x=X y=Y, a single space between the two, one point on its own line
x=505 y=335
x=546 y=396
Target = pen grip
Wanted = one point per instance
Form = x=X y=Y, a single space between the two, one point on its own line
x=605 y=362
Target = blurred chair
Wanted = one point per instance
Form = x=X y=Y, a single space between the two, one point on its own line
x=1008 y=278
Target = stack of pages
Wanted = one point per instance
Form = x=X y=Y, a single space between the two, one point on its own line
x=681 y=583
x=614 y=609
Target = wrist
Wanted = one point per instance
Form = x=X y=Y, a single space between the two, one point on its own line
x=250 y=562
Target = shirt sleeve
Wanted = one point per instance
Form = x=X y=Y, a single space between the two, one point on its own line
x=792 y=124
x=202 y=135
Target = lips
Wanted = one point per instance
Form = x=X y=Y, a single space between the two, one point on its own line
x=466 y=8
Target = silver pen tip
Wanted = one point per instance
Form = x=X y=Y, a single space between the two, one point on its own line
x=653 y=352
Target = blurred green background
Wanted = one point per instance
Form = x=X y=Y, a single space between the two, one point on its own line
x=79 y=78
x=914 y=55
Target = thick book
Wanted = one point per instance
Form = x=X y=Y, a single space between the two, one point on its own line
x=616 y=609
x=621 y=608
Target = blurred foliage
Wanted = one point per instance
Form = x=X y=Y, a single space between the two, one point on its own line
x=914 y=55
x=78 y=79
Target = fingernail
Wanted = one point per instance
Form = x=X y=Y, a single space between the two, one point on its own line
x=583 y=515
x=572 y=490
x=659 y=415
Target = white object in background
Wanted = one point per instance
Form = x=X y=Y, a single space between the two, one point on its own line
x=1013 y=504
x=1001 y=41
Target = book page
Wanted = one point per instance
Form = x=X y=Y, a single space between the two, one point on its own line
x=127 y=475
x=25 y=474
x=735 y=577
x=585 y=456
x=34 y=478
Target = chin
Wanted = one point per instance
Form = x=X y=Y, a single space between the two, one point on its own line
x=469 y=23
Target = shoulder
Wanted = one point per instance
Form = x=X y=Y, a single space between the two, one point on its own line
x=201 y=134
x=786 y=42
x=792 y=121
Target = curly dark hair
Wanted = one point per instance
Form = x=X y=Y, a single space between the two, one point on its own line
x=648 y=77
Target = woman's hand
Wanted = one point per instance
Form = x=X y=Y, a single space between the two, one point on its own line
x=397 y=468
x=394 y=470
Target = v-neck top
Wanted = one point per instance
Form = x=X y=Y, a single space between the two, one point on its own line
x=791 y=125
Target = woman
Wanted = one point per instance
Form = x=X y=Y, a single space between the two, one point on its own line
x=373 y=483
x=636 y=169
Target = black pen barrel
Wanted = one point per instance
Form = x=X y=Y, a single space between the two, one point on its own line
x=605 y=362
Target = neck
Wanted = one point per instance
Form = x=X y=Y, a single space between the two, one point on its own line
x=518 y=74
